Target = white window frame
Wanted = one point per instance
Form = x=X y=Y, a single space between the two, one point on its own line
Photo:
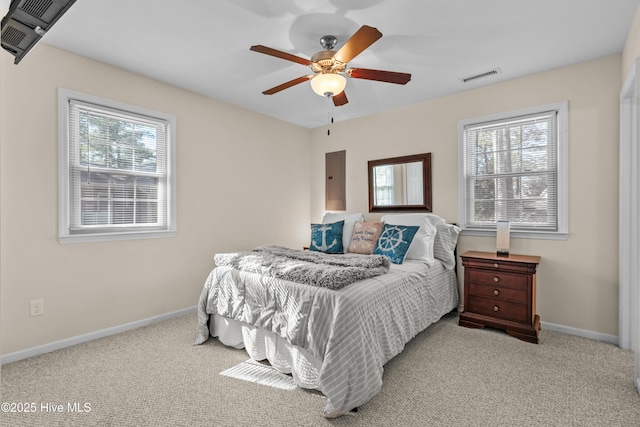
x=103 y=234
x=562 y=232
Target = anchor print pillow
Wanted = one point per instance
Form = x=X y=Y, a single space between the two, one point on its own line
x=327 y=238
x=349 y=219
x=394 y=241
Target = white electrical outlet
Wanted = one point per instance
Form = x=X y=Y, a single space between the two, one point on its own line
x=37 y=307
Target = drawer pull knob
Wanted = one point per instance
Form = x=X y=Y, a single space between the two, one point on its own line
x=496 y=292
x=496 y=308
x=496 y=279
x=496 y=265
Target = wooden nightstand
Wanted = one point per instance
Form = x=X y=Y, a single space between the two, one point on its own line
x=500 y=292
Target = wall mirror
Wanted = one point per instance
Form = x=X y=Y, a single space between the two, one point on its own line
x=400 y=184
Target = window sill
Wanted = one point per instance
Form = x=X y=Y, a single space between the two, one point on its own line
x=110 y=237
x=542 y=235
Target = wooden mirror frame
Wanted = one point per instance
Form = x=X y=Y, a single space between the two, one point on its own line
x=425 y=158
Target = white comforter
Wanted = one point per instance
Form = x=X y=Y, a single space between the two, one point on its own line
x=353 y=331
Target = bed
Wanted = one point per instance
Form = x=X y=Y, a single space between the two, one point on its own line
x=332 y=340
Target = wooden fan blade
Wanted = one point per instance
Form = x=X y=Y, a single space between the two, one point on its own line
x=379 y=75
x=287 y=85
x=340 y=99
x=280 y=54
x=362 y=39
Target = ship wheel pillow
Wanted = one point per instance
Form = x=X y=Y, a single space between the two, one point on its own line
x=394 y=241
x=421 y=247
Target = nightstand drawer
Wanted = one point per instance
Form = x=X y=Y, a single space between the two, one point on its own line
x=496 y=278
x=499 y=293
x=503 y=265
x=500 y=309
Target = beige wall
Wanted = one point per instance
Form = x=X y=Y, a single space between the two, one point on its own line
x=243 y=181
x=577 y=280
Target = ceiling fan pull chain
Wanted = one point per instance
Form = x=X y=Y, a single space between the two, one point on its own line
x=330 y=117
x=328 y=123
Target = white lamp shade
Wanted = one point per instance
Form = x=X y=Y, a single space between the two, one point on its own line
x=328 y=84
x=502 y=237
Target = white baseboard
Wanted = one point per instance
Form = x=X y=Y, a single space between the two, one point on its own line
x=57 y=345
x=598 y=336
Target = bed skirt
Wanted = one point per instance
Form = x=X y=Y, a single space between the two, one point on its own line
x=261 y=344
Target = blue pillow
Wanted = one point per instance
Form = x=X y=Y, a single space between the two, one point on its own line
x=327 y=238
x=394 y=241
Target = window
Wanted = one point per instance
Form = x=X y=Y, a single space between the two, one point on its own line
x=384 y=185
x=116 y=171
x=513 y=168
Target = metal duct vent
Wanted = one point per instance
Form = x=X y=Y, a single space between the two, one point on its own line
x=32 y=19
x=12 y=36
x=481 y=75
x=36 y=8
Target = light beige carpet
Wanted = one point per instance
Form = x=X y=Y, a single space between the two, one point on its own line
x=447 y=376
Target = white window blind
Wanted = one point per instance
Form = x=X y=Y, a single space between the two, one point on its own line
x=117 y=171
x=511 y=172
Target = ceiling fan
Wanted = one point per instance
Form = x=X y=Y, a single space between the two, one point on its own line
x=330 y=67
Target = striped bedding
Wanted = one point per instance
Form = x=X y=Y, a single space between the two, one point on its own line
x=352 y=331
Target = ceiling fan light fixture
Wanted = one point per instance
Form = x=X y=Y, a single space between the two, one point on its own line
x=328 y=84
x=329 y=67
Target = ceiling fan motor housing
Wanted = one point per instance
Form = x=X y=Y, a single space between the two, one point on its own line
x=324 y=62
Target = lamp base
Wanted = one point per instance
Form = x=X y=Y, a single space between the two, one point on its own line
x=502 y=253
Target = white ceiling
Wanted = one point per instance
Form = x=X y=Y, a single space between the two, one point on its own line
x=203 y=45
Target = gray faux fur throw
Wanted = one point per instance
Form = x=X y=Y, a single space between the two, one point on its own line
x=308 y=267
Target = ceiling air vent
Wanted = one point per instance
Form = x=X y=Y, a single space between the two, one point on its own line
x=27 y=21
x=481 y=75
x=36 y=8
x=13 y=36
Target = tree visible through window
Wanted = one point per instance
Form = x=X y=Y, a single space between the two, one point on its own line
x=118 y=169
x=511 y=168
x=112 y=153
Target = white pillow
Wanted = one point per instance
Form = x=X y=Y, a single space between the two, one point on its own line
x=445 y=243
x=422 y=245
x=349 y=223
